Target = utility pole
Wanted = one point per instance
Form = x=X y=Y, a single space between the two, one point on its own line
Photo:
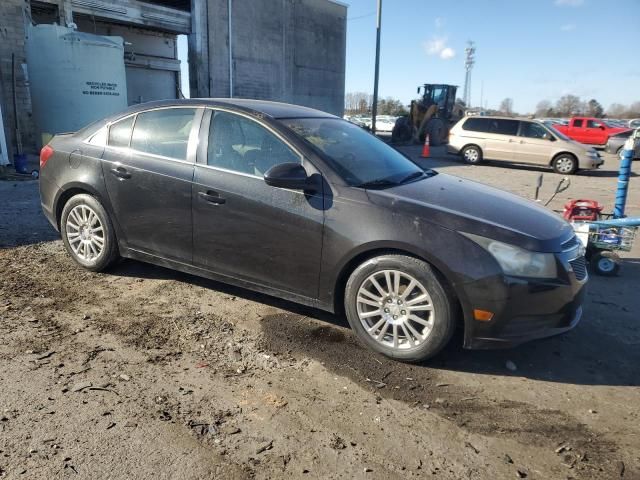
x=469 y=61
x=374 y=107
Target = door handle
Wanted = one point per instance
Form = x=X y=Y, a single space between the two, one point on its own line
x=121 y=172
x=510 y=141
x=212 y=197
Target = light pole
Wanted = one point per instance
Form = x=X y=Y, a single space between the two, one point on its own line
x=374 y=107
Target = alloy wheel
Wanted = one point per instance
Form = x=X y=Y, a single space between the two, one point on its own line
x=471 y=155
x=395 y=309
x=564 y=165
x=85 y=233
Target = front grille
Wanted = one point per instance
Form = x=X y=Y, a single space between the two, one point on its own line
x=571 y=243
x=579 y=266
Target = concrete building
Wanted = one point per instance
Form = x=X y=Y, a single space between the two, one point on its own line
x=285 y=50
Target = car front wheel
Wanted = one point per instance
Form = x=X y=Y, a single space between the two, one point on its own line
x=565 y=164
x=87 y=233
x=472 y=154
x=399 y=307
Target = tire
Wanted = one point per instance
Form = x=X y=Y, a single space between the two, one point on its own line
x=472 y=154
x=605 y=264
x=400 y=337
x=436 y=129
x=565 y=164
x=402 y=131
x=88 y=234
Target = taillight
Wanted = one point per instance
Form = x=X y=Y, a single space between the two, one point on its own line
x=45 y=154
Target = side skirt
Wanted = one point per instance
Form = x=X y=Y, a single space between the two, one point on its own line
x=201 y=272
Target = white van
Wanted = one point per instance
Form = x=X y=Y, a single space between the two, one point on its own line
x=519 y=140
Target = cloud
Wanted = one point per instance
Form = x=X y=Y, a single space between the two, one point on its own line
x=569 y=27
x=447 y=53
x=438 y=46
x=569 y=3
x=439 y=22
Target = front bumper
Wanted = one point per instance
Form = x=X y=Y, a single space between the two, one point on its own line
x=525 y=309
x=587 y=162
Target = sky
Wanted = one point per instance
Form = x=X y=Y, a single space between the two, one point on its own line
x=528 y=50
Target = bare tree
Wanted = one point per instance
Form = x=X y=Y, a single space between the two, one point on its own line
x=544 y=109
x=506 y=106
x=358 y=103
x=594 y=109
x=568 y=105
x=616 y=110
x=634 y=110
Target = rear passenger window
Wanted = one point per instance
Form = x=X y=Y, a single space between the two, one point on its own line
x=120 y=133
x=476 y=125
x=504 y=127
x=163 y=132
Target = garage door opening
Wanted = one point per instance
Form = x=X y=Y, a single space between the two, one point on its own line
x=183 y=57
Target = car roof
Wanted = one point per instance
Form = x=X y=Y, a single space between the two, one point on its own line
x=502 y=117
x=263 y=107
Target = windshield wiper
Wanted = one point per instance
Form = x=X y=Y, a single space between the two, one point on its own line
x=412 y=176
x=378 y=183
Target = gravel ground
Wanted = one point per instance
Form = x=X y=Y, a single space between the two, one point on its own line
x=142 y=372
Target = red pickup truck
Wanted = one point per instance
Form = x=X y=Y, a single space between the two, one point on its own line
x=593 y=131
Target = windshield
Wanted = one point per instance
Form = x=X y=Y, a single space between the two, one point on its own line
x=357 y=156
x=557 y=133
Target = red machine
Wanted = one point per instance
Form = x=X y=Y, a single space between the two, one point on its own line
x=586 y=210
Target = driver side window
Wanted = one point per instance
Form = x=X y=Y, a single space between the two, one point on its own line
x=532 y=130
x=242 y=145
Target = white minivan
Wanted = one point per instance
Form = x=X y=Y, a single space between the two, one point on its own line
x=519 y=140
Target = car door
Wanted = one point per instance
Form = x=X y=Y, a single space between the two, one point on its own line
x=244 y=228
x=596 y=133
x=577 y=130
x=501 y=138
x=534 y=144
x=148 y=169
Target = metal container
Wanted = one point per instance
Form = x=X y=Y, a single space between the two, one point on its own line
x=75 y=78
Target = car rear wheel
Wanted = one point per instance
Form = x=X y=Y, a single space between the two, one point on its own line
x=399 y=307
x=565 y=164
x=472 y=154
x=88 y=234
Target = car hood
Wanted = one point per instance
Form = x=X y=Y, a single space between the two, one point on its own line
x=467 y=206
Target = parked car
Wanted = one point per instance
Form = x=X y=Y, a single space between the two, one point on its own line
x=589 y=130
x=616 y=143
x=305 y=206
x=634 y=123
x=385 y=123
x=520 y=141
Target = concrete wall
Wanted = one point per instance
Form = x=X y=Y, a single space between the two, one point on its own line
x=286 y=50
x=12 y=32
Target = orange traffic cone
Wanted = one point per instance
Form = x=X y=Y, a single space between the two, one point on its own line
x=425 y=147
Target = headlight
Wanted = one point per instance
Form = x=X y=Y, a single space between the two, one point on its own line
x=517 y=261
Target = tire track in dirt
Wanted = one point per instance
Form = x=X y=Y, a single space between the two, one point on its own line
x=425 y=388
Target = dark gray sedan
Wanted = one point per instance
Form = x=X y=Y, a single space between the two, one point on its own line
x=305 y=206
x=616 y=143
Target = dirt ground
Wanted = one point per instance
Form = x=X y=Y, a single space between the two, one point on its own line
x=143 y=372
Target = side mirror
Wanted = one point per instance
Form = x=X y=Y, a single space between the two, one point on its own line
x=289 y=175
x=601 y=127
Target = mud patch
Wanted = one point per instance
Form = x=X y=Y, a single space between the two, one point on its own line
x=424 y=387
